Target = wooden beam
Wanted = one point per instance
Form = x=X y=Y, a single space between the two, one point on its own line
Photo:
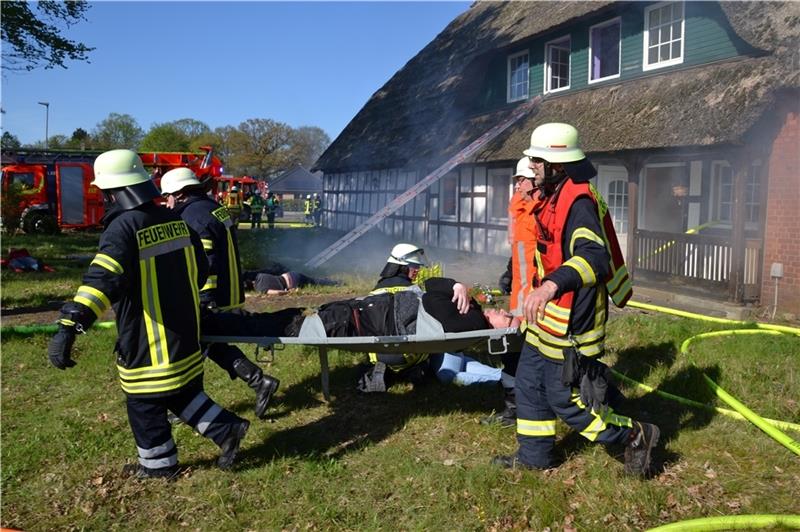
x=633 y=164
x=741 y=163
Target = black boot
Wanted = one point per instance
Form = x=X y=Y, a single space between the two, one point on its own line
x=264 y=385
x=230 y=446
x=139 y=471
x=508 y=417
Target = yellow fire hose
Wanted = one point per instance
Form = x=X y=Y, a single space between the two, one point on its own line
x=731 y=522
x=770 y=427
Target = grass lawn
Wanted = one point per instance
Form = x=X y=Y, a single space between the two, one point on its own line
x=413 y=458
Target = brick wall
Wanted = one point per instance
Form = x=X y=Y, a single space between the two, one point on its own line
x=782 y=227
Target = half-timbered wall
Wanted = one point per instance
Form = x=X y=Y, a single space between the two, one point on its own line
x=466 y=210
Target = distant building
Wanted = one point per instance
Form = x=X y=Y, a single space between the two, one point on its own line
x=297 y=182
x=689 y=110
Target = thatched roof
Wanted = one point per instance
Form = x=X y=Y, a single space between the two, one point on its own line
x=422 y=115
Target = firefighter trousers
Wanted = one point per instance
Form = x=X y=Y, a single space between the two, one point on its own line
x=153 y=432
x=541 y=398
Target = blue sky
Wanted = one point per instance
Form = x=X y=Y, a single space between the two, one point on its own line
x=302 y=63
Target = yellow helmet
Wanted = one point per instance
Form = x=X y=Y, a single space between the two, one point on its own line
x=523 y=170
x=177 y=179
x=555 y=143
x=119 y=168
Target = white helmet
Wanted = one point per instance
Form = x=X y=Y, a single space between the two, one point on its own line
x=234 y=188
x=555 y=143
x=120 y=174
x=405 y=254
x=177 y=179
x=117 y=169
x=308 y=196
x=522 y=169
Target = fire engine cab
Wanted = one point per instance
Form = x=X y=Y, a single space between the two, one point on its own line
x=54 y=189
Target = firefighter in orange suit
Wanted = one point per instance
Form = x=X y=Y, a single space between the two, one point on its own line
x=522 y=233
x=578 y=266
x=148 y=268
x=522 y=238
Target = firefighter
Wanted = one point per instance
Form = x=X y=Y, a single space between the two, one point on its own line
x=579 y=267
x=224 y=289
x=398 y=275
x=256 y=210
x=233 y=202
x=148 y=268
x=522 y=238
x=308 y=207
x=317 y=210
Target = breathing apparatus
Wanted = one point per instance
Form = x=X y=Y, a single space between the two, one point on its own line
x=123 y=179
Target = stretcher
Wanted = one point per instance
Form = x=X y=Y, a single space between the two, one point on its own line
x=428 y=339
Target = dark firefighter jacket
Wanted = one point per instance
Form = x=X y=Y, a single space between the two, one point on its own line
x=148 y=268
x=224 y=286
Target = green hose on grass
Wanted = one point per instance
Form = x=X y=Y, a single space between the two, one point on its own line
x=732 y=522
x=51 y=328
x=760 y=328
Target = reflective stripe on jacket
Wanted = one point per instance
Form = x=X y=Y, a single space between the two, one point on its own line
x=148 y=268
x=577 y=316
x=213 y=223
x=523 y=247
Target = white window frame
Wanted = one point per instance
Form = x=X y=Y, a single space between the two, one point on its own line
x=646 y=44
x=617 y=21
x=716 y=196
x=511 y=58
x=623 y=217
x=547 y=46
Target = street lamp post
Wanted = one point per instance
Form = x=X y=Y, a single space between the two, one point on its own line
x=46 y=121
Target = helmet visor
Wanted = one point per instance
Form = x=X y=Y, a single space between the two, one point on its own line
x=414 y=257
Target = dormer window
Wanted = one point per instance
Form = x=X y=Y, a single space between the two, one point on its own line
x=663 y=35
x=556 y=66
x=517 y=77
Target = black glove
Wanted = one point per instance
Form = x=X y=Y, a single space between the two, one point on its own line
x=60 y=346
x=207 y=300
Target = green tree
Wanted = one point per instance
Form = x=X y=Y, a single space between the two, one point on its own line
x=261 y=147
x=10 y=142
x=165 y=137
x=57 y=142
x=118 y=131
x=191 y=128
x=80 y=140
x=34 y=39
x=307 y=144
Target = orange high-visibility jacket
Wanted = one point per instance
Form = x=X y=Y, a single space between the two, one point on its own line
x=523 y=247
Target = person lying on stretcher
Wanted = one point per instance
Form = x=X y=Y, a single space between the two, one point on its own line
x=386 y=314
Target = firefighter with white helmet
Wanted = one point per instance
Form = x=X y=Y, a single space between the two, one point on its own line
x=148 y=267
x=224 y=288
x=580 y=267
x=398 y=276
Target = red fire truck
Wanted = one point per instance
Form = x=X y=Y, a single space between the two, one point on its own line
x=55 y=190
